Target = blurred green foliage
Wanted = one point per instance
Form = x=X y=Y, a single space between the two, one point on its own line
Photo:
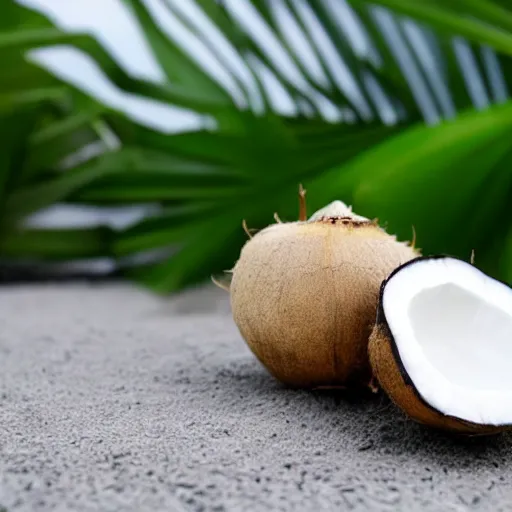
x=451 y=181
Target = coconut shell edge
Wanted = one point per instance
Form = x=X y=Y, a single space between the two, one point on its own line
x=392 y=377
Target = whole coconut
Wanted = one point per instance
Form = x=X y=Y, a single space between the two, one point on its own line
x=304 y=295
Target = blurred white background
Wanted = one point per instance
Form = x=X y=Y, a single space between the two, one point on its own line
x=111 y=22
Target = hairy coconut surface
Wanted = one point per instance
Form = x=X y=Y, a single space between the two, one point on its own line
x=441 y=343
x=304 y=295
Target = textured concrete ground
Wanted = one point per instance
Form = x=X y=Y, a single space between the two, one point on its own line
x=114 y=400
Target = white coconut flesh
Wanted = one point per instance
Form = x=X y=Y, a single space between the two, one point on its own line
x=452 y=327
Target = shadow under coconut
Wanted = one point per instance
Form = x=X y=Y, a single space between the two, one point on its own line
x=365 y=421
x=398 y=434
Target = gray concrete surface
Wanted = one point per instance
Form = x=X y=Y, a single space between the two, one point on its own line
x=114 y=400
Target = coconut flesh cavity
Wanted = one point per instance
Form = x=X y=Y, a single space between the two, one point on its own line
x=442 y=345
x=304 y=295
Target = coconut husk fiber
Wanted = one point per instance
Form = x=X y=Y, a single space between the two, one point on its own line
x=304 y=296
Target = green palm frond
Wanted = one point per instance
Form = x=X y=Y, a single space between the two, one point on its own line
x=40 y=125
x=406 y=134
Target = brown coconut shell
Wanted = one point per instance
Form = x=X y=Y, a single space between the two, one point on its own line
x=304 y=297
x=392 y=376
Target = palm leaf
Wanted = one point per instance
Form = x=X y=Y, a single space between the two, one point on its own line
x=358 y=134
x=39 y=128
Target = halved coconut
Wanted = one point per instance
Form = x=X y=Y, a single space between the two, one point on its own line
x=442 y=345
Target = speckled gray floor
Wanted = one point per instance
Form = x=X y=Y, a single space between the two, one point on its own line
x=114 y=400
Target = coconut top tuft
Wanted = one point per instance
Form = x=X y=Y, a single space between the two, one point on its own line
x=336 y=210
